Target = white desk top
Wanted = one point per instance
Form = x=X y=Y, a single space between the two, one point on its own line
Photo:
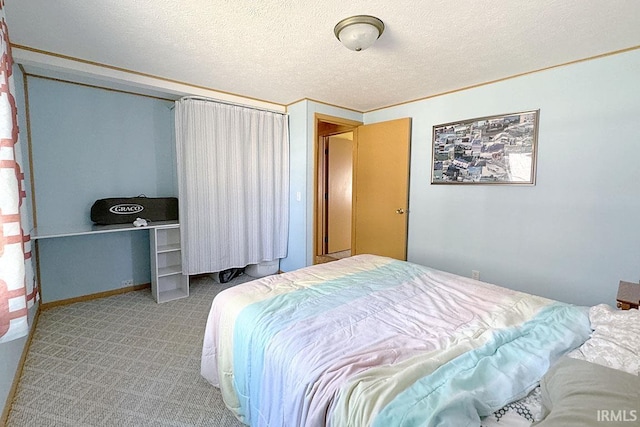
x=84 y=229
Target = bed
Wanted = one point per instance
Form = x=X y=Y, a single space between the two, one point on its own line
x=372 y=341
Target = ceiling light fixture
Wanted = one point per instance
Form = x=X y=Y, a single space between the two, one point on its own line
x=359 y=32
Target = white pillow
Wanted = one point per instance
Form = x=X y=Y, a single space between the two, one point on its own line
x=615 y=341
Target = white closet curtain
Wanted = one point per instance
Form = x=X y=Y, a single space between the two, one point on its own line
x=233 y=177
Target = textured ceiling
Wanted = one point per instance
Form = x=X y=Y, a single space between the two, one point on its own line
x=284 y=50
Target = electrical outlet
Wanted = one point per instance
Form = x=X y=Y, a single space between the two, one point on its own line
x=127 y=283
x=475 y=274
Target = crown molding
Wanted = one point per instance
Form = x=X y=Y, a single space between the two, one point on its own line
x=53 y=65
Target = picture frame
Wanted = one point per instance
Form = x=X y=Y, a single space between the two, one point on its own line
x=490 y=150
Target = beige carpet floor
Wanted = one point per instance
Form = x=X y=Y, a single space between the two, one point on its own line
x=121 y=361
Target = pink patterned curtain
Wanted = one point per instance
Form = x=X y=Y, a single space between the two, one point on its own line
x=17 y=285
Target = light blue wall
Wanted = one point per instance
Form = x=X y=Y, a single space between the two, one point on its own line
x=574 y=234
x=296 y=249
x=90 y=143
x=11 y=351
x=301 y=122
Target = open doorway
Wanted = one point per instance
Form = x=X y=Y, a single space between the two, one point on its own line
x=338 y=185
x=379 y=188
x=334 y=182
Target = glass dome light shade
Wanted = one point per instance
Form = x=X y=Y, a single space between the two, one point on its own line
x=359 y=32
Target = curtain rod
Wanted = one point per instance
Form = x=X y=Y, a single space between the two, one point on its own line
x=203 y=98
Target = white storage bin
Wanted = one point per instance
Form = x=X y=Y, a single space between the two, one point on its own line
x=263 y=269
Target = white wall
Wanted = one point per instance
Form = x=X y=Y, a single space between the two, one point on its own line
x=574 y=234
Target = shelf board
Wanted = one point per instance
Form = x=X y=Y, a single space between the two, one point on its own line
x=44 y=232
x=171 y=295
x=169 y=248
x=170 y=270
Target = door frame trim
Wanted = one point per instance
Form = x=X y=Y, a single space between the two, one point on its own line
x=324 y=125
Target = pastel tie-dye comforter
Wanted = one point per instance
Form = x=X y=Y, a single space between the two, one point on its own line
x=374 y=341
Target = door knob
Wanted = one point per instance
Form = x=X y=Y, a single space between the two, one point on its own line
x=400 y=211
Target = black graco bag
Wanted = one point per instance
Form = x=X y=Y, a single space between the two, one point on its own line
x=126 y=209
x=228 y=275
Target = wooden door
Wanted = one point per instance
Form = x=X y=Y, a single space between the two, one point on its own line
x=339 y=197
x=381 y=189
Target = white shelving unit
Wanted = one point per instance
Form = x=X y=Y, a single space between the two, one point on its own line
x=167 y=281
